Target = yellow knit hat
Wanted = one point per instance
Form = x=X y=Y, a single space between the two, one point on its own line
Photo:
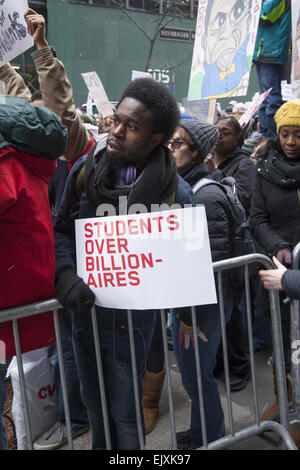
x=288 y=114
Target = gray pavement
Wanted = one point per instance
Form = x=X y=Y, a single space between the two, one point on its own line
x=242 y=410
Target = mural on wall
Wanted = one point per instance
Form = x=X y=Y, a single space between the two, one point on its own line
x=223 y=48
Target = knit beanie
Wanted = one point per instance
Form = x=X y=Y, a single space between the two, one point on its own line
x=288 y=114
x=204 y=135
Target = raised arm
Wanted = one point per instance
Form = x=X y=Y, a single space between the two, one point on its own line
x=55 y=87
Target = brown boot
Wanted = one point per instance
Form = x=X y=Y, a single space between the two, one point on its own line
x=152 y=388
x=273 y=410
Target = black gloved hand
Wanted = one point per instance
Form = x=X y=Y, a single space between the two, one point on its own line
x=284 y=256
x=72 y=292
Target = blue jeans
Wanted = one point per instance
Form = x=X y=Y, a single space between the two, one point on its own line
x=185 y=358
x=118 y=380
x=78 y=413
x=3 y=437
x=269 y=75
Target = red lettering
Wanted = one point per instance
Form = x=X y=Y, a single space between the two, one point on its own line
x=97 y=224
x=133 y=230
x=158 y=221
x=89 y=247
x=99 y=246
x=122 y=244
x=111 y=245
x=108 y=278
x=173 y=225
x=133 y=261
x=133 y=276
x=89 y=231
x=121 y=279
x=145 y=260
x=91 y=281
x=42 y=393
x=51 y=390
x=89 y=263
x=123 y=226
x=145 y=224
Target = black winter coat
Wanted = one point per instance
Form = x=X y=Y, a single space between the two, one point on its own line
x=291 y=283
x=241 y=168
x=219 y=219
x=275 y=216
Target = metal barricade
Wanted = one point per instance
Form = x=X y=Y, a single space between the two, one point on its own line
x=294 y=411
x=281 y=427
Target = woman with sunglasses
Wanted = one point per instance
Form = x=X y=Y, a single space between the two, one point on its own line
x=190 y=145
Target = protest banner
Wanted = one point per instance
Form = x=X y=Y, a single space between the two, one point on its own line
x=223 y=48
x=98 y=93
x=14 y=39
x=205 y=110
x=136 y=74
x=256 y=102
x=146 y=261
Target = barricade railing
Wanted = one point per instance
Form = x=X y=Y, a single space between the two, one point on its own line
x=233 y=436
x=294 y=411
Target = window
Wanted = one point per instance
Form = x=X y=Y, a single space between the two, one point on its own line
x=186 y=8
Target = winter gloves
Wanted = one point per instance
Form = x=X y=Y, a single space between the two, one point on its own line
x=284 y=256
x=72 y=292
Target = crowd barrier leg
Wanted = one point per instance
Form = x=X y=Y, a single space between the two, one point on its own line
x=135 y=381
x=101 y=379
x=295 y=344
x=63 y=379
x=168 y=376
x=22 y=384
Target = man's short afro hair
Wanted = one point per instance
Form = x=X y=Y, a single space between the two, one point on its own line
x=159 y=100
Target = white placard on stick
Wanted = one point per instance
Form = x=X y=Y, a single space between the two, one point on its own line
x=256 y=102
x=14 y=38
x=146 y=261
x=98 y=93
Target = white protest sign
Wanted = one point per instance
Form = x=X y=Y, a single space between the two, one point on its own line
x=286 y=91
x=257 y=101
x=136 y=74
x=14 y=39
x=98 y=93
x=155 y=260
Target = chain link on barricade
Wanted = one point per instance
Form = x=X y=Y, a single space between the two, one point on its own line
x=281 y=427
x=294 y=414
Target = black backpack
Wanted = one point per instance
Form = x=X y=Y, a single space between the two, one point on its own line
x=242 y=243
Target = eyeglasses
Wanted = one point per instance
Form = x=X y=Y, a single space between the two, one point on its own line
x=176 y=144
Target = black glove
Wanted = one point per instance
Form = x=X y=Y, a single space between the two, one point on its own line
x=72 y=292
x=284 y=256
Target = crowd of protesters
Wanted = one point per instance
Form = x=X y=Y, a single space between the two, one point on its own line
x=151 y=154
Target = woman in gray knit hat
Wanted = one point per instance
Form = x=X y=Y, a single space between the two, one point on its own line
x=190 y=145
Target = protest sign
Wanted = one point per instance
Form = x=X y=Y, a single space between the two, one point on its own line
x=286 y=91
x=136 y=74
x=256 y=102
x=98 y=93
x=14 y=39
x=223 y=48
x=205 y=110
x=295 y=69
x=155 y=260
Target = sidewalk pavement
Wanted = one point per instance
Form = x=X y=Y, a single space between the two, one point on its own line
x=242 y=409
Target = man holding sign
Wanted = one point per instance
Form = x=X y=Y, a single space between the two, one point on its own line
x=135 y=165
